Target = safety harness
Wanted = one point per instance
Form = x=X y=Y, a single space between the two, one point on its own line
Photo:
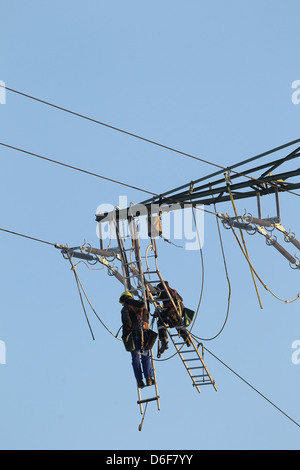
x=176 y=297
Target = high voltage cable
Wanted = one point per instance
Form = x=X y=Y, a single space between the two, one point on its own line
x=79 y=284
x=76 y=168
x=26 y=236
x=131 y=134
x=166 y=147
x=57 y=162
x=253 y=388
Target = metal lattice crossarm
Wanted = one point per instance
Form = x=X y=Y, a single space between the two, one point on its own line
x=211 y=189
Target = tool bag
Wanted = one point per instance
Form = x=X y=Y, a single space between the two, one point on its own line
x=150 y=338
x=188 y=316
x=128 y=342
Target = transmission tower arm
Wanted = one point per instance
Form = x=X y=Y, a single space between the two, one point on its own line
x=245 y=184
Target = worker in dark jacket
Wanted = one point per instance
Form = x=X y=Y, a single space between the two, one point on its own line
x=170 y=316
x=135 y=319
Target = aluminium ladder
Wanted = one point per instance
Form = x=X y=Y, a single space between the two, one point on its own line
x=193 y=362
x=133 y=273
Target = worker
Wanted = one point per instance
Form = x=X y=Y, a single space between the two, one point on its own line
x=169 y=316
x=135 y=320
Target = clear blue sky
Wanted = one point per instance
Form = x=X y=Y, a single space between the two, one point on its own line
x=213 y=79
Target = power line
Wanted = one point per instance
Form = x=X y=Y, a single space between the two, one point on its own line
x=253 y=388
x=76 y=168
x=79 y=284
x=153 y=142
x=26 y=152
x=131 y=134
x=172 y=149
x=26 y=236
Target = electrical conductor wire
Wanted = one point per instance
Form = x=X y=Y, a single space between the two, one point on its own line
x=131 y=134
x=253 y=388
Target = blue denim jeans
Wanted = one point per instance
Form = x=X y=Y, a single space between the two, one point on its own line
x=141 y=362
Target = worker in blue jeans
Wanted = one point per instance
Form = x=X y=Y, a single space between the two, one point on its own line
x=135 y=318
x=141 y=363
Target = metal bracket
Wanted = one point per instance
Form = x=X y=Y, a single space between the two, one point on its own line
x=277 y=218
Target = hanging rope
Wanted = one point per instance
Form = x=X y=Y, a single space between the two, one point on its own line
x=81 y=288
x=80 y=295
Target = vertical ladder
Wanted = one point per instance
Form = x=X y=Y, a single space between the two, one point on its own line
x=133 y=271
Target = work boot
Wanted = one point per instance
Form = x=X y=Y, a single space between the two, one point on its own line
x=163 y=346
x=140 y=384
x=184 y=335
x=150 y=381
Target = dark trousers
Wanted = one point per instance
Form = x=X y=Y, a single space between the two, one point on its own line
x=168 y=317
x=141 y=362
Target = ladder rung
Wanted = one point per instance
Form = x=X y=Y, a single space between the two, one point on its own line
x=147 y=400
x=193 y=359
x=199 y=367
x=199 y=382
x=196 y=384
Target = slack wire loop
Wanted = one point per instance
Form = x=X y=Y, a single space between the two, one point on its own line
x=80 y=287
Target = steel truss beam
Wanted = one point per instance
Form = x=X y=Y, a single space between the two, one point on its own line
x=243 y=185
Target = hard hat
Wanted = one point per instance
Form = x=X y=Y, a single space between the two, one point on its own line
x=161 y=285
x=124 y=295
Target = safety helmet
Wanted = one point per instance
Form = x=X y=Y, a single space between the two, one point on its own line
x=161 y=286
x=125 y=295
